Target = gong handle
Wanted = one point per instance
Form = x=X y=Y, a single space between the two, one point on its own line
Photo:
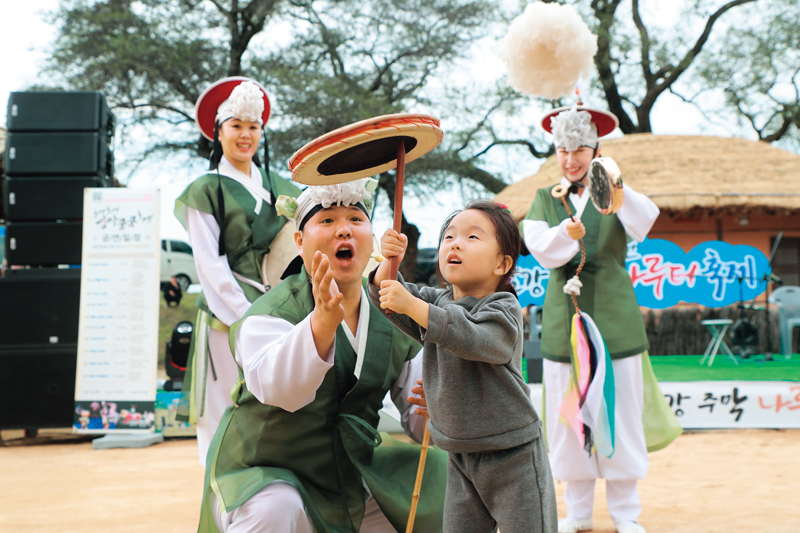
x=398 y=201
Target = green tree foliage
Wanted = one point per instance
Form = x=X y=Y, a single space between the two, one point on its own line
x=328 y=63
x=756 y=67
x=154 y=57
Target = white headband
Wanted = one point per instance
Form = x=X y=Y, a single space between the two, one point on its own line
x=572 y=129
x=246 y=103
x=343 y=194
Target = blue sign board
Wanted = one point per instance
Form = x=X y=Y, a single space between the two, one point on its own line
x=713 y=274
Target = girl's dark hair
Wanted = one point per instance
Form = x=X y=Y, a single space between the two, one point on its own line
x=506 y=233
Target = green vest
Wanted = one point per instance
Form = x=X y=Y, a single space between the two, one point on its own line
x=247 y=236
x=325 y=448
x=607 y=294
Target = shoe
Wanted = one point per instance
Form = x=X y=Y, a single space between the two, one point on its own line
x=629 y=527
x=573 y=525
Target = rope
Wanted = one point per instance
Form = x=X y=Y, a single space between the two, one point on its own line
x=583 y=253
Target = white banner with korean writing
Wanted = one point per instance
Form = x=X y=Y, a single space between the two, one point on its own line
x=115 y=384
x=726 y=404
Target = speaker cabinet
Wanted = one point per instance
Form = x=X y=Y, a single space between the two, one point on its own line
x=57 y=154
x=44 y=243
x=59 y=111
x=37 y=387
x=30 y=199
x=39 y=306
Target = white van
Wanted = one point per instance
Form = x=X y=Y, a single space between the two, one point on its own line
x=177 y=260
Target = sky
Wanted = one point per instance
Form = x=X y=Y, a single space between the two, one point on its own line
x=25 y=37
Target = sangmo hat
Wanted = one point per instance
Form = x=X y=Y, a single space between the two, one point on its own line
x=205 y=110
x=606 y=122
x=364 y=149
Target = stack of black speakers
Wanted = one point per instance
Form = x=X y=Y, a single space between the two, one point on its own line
x=58 y=144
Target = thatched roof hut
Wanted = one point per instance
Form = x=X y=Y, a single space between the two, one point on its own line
x=689 y=175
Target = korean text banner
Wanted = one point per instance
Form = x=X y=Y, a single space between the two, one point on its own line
x=713 y=274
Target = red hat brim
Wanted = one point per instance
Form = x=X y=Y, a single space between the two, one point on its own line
x=606 y=122
x=205 y=111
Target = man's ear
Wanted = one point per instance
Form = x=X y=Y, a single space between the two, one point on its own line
x=298 y=241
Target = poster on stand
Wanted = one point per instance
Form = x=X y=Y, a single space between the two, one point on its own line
x=115 y=383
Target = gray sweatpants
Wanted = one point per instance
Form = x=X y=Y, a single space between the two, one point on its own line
x=507 y=489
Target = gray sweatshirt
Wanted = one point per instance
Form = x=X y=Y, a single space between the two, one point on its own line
x=472 y=355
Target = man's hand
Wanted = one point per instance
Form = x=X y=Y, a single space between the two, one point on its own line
x=422 y=402
x=576 y=229
x=328 y=309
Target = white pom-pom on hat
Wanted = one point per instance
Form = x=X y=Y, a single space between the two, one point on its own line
x=573 y=128
x=548 y=49
x=246 y=103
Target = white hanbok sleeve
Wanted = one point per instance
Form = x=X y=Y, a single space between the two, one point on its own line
x=413 y=424
x=637 y=214
x=551 y=247
x=280 y=362
x=222 y=292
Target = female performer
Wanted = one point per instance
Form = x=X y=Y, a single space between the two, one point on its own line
x=607 y=295
x=230 y=216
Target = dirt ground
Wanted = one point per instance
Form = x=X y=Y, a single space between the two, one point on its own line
x=710 y=481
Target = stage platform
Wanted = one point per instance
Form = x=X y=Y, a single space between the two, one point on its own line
x=754 y=368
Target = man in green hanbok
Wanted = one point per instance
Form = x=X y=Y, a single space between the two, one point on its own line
x=299 y=450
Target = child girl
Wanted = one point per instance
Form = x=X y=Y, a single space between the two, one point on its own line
x=480 y=410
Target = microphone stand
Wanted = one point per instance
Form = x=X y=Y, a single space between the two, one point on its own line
x=768 y=354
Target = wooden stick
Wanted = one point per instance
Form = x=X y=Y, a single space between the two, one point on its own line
x=398 y=201
x=423 y=454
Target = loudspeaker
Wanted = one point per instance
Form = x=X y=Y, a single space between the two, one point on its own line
x=60 y=111
x=37 y=387
x=29 y=199
x=44 y=243
x=40 y=307
x=57 y=154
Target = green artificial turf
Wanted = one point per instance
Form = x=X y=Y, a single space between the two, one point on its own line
x=754 y=368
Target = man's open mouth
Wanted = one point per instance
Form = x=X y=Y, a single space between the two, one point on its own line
x=345 y=252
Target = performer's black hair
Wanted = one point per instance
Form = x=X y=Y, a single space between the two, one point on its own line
x=216 y=156
x=216 y=149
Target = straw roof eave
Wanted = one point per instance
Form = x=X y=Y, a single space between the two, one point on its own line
x=688 y=174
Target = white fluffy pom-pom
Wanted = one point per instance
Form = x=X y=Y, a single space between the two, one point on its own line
x=548 y=49
x=573 y=286
x=247 y=102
